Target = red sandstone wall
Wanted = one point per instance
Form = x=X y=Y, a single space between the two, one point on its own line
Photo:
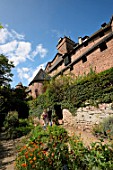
x=36 y=89
x=96 y=60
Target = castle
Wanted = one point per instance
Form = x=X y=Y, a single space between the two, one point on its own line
x=90 y=52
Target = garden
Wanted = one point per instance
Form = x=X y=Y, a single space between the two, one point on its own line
x=54 y=149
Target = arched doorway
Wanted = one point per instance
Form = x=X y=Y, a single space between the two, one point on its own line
x=58 y=111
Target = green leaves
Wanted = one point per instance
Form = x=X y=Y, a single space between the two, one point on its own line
x=72 y=93
x=5 y=70
x=54 y=149
x=1 y=26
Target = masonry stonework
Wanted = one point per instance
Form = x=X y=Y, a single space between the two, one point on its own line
x=94 y=52
x=36 y=89
x=87 y=116
x=90 y=52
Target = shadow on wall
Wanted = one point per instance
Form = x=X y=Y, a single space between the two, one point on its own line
x=58 y=111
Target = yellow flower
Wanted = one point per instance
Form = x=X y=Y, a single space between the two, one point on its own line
x=31 y=154
x=34 y=158
x=31 y=161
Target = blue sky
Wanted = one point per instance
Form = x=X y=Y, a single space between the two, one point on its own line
x=32 y=29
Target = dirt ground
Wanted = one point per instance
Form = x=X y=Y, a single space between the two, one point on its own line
x=86 y=136
x=7 y=154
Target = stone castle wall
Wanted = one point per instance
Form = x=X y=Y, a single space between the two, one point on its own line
x=87 y=116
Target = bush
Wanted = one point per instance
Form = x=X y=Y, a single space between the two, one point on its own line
x=105 y=128
x=72 y=93
x=11 y=120
x=45 y=150
x=54 y=149
x=17 y=127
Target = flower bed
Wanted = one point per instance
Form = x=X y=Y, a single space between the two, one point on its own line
x=53 y=149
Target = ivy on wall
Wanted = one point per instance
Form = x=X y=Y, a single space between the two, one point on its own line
x=72 y=93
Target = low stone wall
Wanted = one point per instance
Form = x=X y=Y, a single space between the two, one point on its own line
x=87 y=116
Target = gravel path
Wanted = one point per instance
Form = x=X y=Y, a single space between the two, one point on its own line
x=7 y=153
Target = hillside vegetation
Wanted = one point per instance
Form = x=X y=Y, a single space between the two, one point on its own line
x=74 y=92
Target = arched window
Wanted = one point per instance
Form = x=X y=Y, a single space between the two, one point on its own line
x=36 y=92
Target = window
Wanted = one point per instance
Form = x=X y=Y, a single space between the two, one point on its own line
x=84 y=59
x=67 y=60
x=36 y=92
x=101 y=34
x=85 y=44
x=71 y=68
x=61 y=72
x=103 y=46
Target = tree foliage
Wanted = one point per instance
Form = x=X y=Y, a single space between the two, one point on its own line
x=5 y=70
x=1 y=26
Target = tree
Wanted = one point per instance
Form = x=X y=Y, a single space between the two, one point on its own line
x=5 y=70
x=1 y=26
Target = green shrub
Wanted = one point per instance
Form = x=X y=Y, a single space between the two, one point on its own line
x=105 y=128
x=44 y=150
x=72 y=93
x=11 y=120
x=54 y=149
x=16 y=127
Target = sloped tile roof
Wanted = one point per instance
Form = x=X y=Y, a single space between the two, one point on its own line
x=40 y=76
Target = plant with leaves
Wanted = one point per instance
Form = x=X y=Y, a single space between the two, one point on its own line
x=5 y=70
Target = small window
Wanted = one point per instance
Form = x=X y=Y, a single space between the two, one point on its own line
x=71 y=68
x=43 y=75
x=61 y=72
x=67 y=60
x=103 y=46
x=85 y=44
x=84 y=59
x=101 y=34
x=36 y=92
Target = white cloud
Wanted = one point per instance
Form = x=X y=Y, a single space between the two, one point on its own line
x=17 y=51
x=23 y=48
x=28 y=74
x=8 y=47
x=34 y=72
x=17 y=35
x=23 y=73
x=40 y=50
x=25 y=69
x=6 y=35
x=14 y=46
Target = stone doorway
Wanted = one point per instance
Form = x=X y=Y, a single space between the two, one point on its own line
x=58 y=111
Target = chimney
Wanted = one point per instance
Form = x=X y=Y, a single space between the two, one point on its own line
x=103 y=25
x=65 y=45
x=80 y=40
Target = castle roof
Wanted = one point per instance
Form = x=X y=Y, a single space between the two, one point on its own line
x=86 y=39
x=19 y=85
x=40 y=76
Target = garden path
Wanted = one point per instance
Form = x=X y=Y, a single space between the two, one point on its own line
x=86 y=136
x=7 y=153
